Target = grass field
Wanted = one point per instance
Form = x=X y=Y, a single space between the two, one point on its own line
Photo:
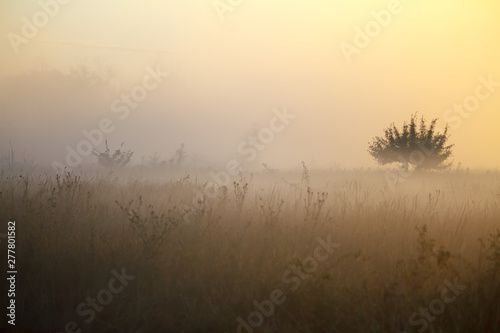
x=293 y=251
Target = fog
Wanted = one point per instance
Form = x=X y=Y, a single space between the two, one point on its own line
x=216 y=74
x=250 y=166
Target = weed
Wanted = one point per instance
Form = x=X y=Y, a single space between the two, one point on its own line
x=240 y=193
x=313 y=204
x=150 y=227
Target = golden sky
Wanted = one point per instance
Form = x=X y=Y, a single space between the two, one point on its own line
x=235 y=63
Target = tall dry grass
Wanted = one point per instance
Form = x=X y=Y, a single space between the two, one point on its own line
x=199 y=265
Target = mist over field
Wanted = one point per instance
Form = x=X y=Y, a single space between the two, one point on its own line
x=227 y=75
x=249 y=166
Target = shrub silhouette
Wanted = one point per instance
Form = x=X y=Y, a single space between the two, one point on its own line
x=424 y=147
x=118 y=159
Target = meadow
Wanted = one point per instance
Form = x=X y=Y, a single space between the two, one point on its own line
x=137 y=250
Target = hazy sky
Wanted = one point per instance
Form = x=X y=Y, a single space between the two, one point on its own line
x=235 y=65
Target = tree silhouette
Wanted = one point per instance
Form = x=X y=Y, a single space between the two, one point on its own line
x=180 y=156
x=424 y=147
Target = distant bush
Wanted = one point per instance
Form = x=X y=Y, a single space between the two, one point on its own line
x=118 y=159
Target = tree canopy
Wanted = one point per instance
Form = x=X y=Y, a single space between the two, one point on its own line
x=422 y=147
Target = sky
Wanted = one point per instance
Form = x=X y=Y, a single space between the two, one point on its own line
x=340 y=72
